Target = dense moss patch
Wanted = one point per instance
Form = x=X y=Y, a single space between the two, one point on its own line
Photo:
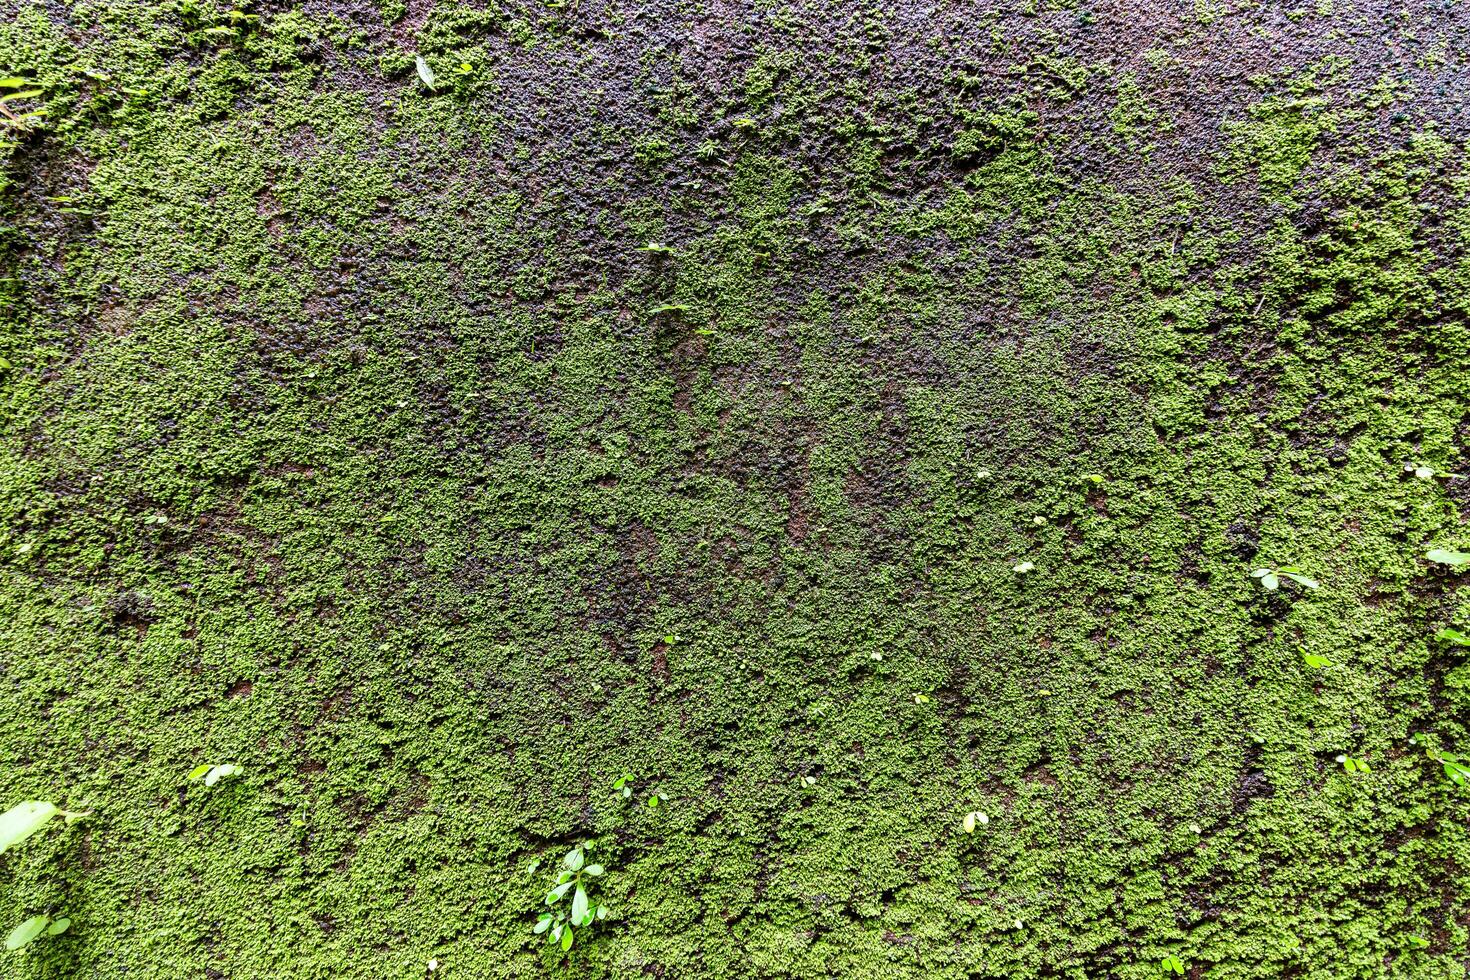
x=354 y=435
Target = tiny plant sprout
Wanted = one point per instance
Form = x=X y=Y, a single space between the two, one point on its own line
x=433 y=965
x=212 y=774
x=1456 y=769
x=1454 y=559
x=1421 y=471
x=1195 y=828
x=1451 y=635
x=657 y=248
x=1270 y=578
x=974 y=819
x=1352 y=764
x=669 y=308
x=921 y=699
x=1418 y=942
x=1023 y=568
x=1313 y=660
x=875 y=655
x=1093 y=478
x=657 y=800
x=1038 y=520
x=1172 y=964
x=622 y=785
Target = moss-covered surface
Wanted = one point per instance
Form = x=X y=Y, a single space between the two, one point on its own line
x=340 y=443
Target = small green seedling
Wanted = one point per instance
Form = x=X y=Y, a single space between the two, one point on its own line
x=213 y=774
x=34 y=928
x=745 y=125
x=17 y=825
x=23 y=820
x=1417 y=942
x=1451 y=635
x=1172 y=964
x=1023 y=568
x=559 y=925
x=657 y=800
x=426 y=74
x=973 y=819
x=657 y=248
x=1271 y=577
x=1424 y=472
x=1454 y=559
x=623 y=785
x=1456 y=768
x=464 y=68
x=1352 y=764
x=1313 y=660
x=673 y=308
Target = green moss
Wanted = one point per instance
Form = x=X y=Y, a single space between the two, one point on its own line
x=342 y=446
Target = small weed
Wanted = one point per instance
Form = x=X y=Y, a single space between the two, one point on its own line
x=18 y=824
x=1456 y=768
x=33 y=928
x=1315 y=661
x=212 y=774
x=1451 y=635
x=1424 y=472
x=575 y=878
x=1353 y=764
x=973 y=819
x=1172 y=964
x=669 y=308
x=1270 y=578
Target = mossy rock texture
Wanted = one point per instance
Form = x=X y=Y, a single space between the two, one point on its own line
x=838 y=417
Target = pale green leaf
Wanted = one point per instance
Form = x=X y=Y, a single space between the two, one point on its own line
x=23 y=820
x=25 y=933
